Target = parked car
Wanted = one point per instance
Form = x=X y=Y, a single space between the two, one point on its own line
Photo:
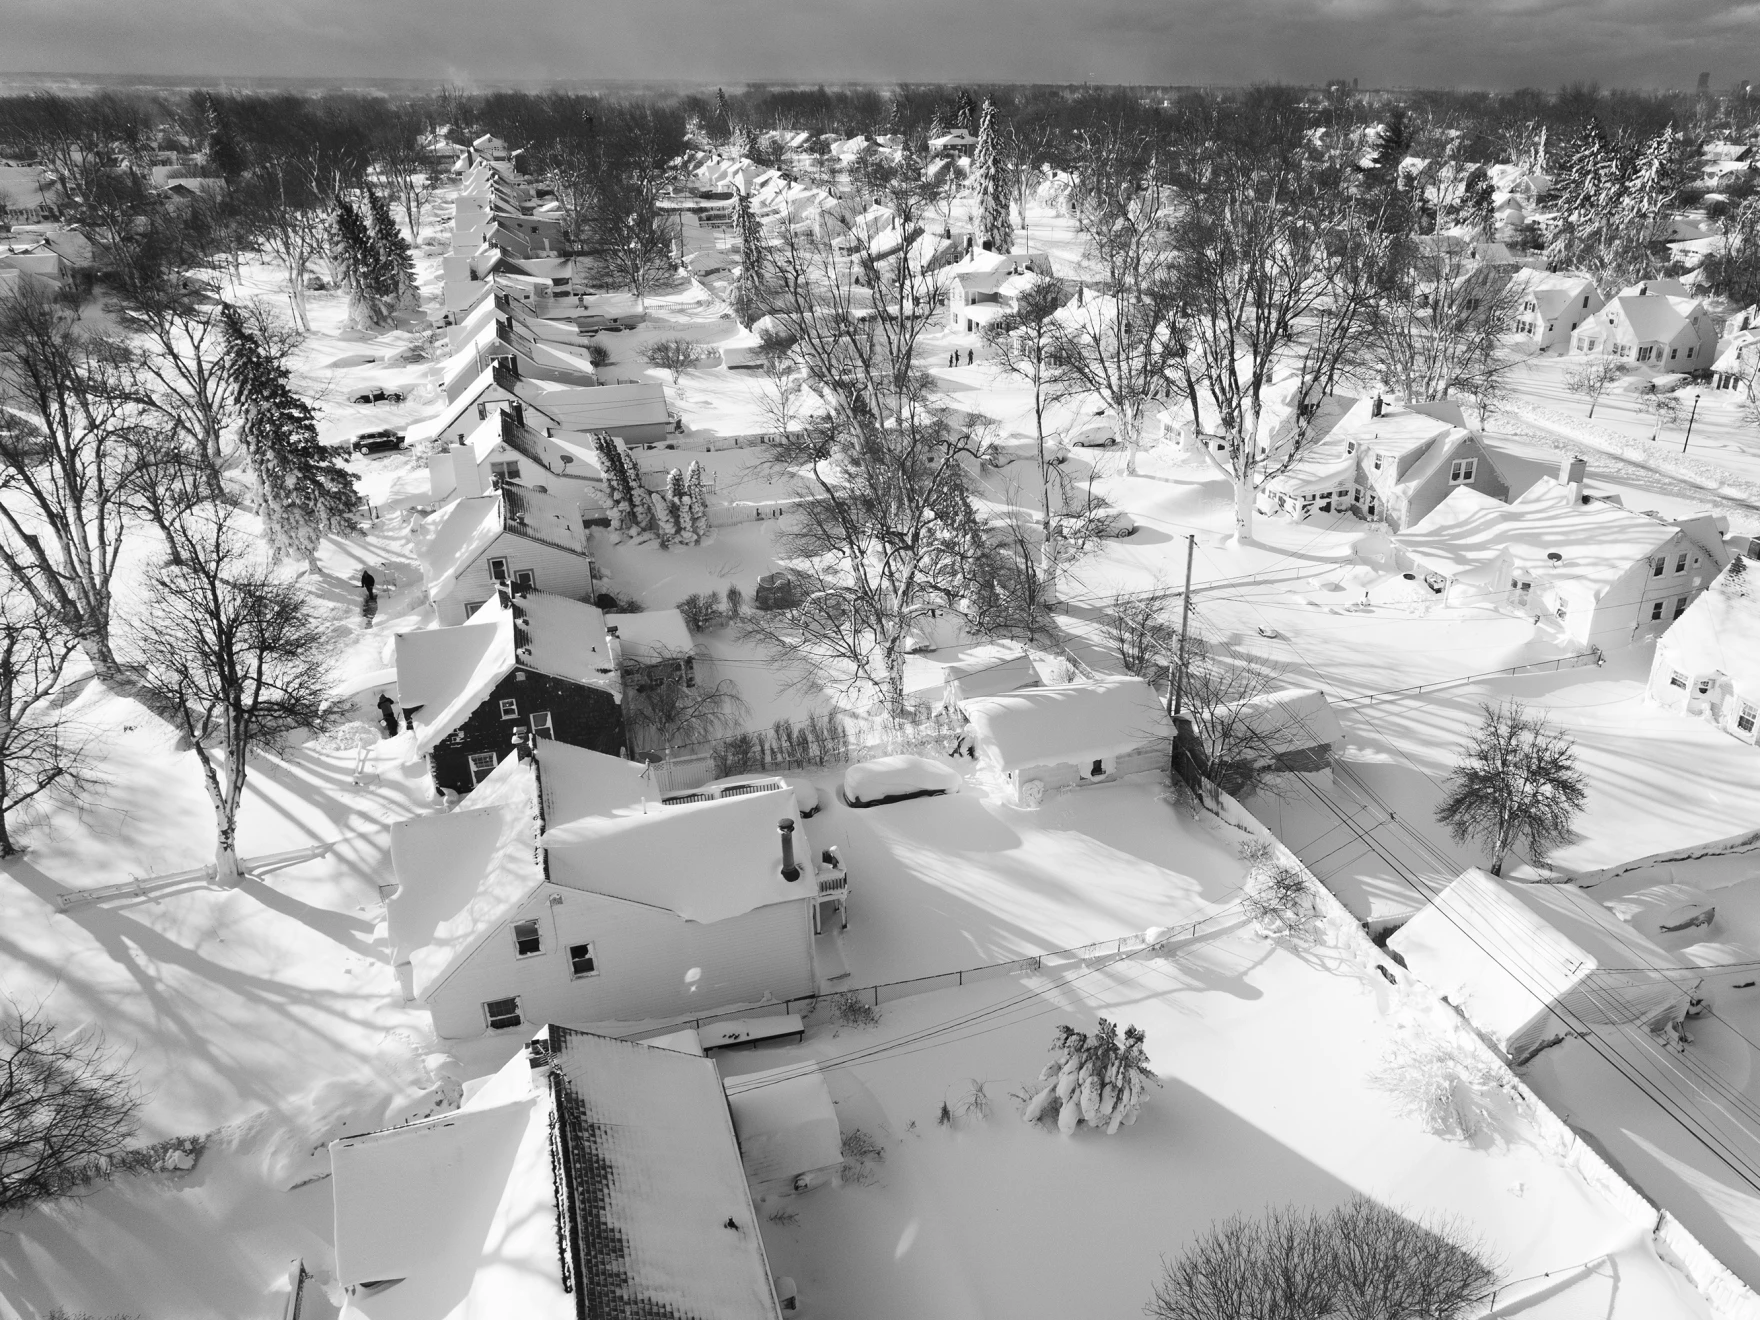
x=1019 y=449
x=806 y=795
x=376 y=442
x=897 y=778
x=377 y=396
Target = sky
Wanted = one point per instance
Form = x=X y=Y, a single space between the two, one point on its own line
x=1451 y=43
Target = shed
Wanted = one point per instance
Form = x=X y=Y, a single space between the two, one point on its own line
x=787 y=1127
x=1078 y=733
x=1294 y=730
x=1525 y=963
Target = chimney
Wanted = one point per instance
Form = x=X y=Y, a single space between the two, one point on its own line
x=467 y=479
x=790 y=872
x=1571 y=474
x=519 y=413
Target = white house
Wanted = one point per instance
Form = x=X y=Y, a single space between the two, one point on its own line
x=586 y=1167
x=1528 y=963
x=1080 y=733
x=514 y=536
x=1647 y=326
x=1609 y=576
x=506 y=915
x=1708 y=663
x=500 y=451
x=1549 y=307
x=636 y=413
x=987 y=285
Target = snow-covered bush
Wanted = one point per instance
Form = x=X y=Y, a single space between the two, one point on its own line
x=1093 y=1079
x=1443 y=1084
x=851 y=1010
x=1277 y=899
x=860 y=1154
x=701 y=610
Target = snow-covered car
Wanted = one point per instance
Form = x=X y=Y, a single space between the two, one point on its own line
x=1113 y=522
x=376 y=442
x=806 y=795
x=896 y=778
x=1020 y=449
x=377 y=396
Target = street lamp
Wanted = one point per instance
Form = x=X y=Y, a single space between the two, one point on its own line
x=1694 y=413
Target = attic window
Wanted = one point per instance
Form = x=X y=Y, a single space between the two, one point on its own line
x=1378 y=462
x=1677 y=679
x=509 y=708
x=1658 y=565
x=1745 y=721
x=526 y=938
x=1462 y=470
x=1680 y=563
x=1703 y=686
x=498 y=569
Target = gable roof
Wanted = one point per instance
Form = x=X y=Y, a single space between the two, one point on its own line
x=1507 y=954
x=651 y=635
x=578 y=781
x=705 y=861
x=1656 y=317
x=466 y=528
x=1720 y=632
x=1443 y=451
x=655 y=1177
x=1076 y=722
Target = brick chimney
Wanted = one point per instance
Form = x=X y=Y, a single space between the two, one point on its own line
x=467 y=479
x=1571 y=474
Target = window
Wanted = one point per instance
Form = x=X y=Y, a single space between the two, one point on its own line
x=472 y=606
x=1462 y=469
x=498 y=570
x=1745 y=721
x=541 y=726
x=526 y=939
x=1097 y=769
x=502 y=1014
x=509 y=708
x=1702 y=686
x=1378 y=462
x=1656 y=611
x=1677 y=679
x=1658 y=565
x=582 y=961
x=1585 y=300
x=482 y=763
x=525 y=577
x=1680 y=563
x=1643 y=353
x=1673 y=353
x=500 y=472
x=1689 y=352
x=1680 y=607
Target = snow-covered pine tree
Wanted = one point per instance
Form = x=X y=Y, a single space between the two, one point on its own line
x=642 y=514
x=698 y=502
x=722 y=125
x=617 y=492
x=675 y=518
x=356 y=260
x=936 y=126
x=989 y=177
x=396 y=264
x=1097 y=1079
x=302 y=491
x=965 y=111
x=748 y=289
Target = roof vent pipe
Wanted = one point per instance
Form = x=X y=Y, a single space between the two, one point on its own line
x=790 y=872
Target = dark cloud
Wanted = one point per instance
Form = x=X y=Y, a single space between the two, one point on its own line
x=1491 y=43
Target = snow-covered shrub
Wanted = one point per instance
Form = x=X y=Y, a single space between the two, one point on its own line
x=1442 y=1084
x=736 y=600
x=1093 y=1079
x=701 y=610
x=851 y=1010
x=860 y=1154
x=1277 y=899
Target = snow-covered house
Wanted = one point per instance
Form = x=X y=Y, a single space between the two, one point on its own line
x=1608 y=575
x=1738 y=353
x=1291 y=731
x=1529 y=963
x=789 y=1136
x=506 y=343
x=514 y=536
x=1651 y=327
x=1385 y=462
x=586 y=1168
x=500 y=451
x=522 y=667
x=988 y=285
x=1549 y=307
x=635 y=413
x=1708 y=663
x=1080 y=733
x=653 y=646
x=957 y=140
x=506 y=915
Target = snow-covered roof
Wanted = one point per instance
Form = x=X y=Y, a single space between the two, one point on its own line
x=705 y=861
x=785 y=1122
x=1507 y=954
x=1076 y=722
x=443 y=674
x=578 y=781
x=458 y=1208
x=1400 y=428
x=651 y=635
x=987 y=676
x=467 y=528
x=658 y=1184
x=1720 y=632
x=1657 y=317
x=1442 y=451
x=1596 y=543
x=1288 y=721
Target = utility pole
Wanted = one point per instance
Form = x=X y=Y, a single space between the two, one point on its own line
x=1185 y=619
x=1694 y=413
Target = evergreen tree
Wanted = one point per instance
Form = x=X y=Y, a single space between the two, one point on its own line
x=302 y=491
x=989 y=177
x=936 y=126
x=617 y=487
x=675 y=517
x=748 y=289
x=698 y=502
x=222 y=149
x=394 y=262
x=965 y=111
x=722 y=125
x=358 y=268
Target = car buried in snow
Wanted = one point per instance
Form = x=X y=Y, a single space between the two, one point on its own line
x=898 y=779
x=377 y=396
x=377 y=442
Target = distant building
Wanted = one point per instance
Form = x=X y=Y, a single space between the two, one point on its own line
x=1549 y=307
x=1651 y=324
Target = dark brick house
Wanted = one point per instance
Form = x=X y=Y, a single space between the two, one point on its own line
x=533 y=665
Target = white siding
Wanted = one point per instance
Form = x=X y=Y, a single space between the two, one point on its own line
x=558 y=572
x=1622 y=616
x=653 y=965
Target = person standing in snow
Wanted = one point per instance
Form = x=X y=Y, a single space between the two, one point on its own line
x=388 y=714
x=368 y=582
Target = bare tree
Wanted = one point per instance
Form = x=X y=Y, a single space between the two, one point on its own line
x=1226 y=735
x=65 y=1103
x=1516 y=779
x=675 y=356
x=39 y=752
x=1140 y=627
x=67 y=470
x=1591 y=378
x=1023 y=340
x=669 y=712
x=400 y=150
x=231 y=656
x=1363 y=1260
x=1437 y=330
x=630 y=235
